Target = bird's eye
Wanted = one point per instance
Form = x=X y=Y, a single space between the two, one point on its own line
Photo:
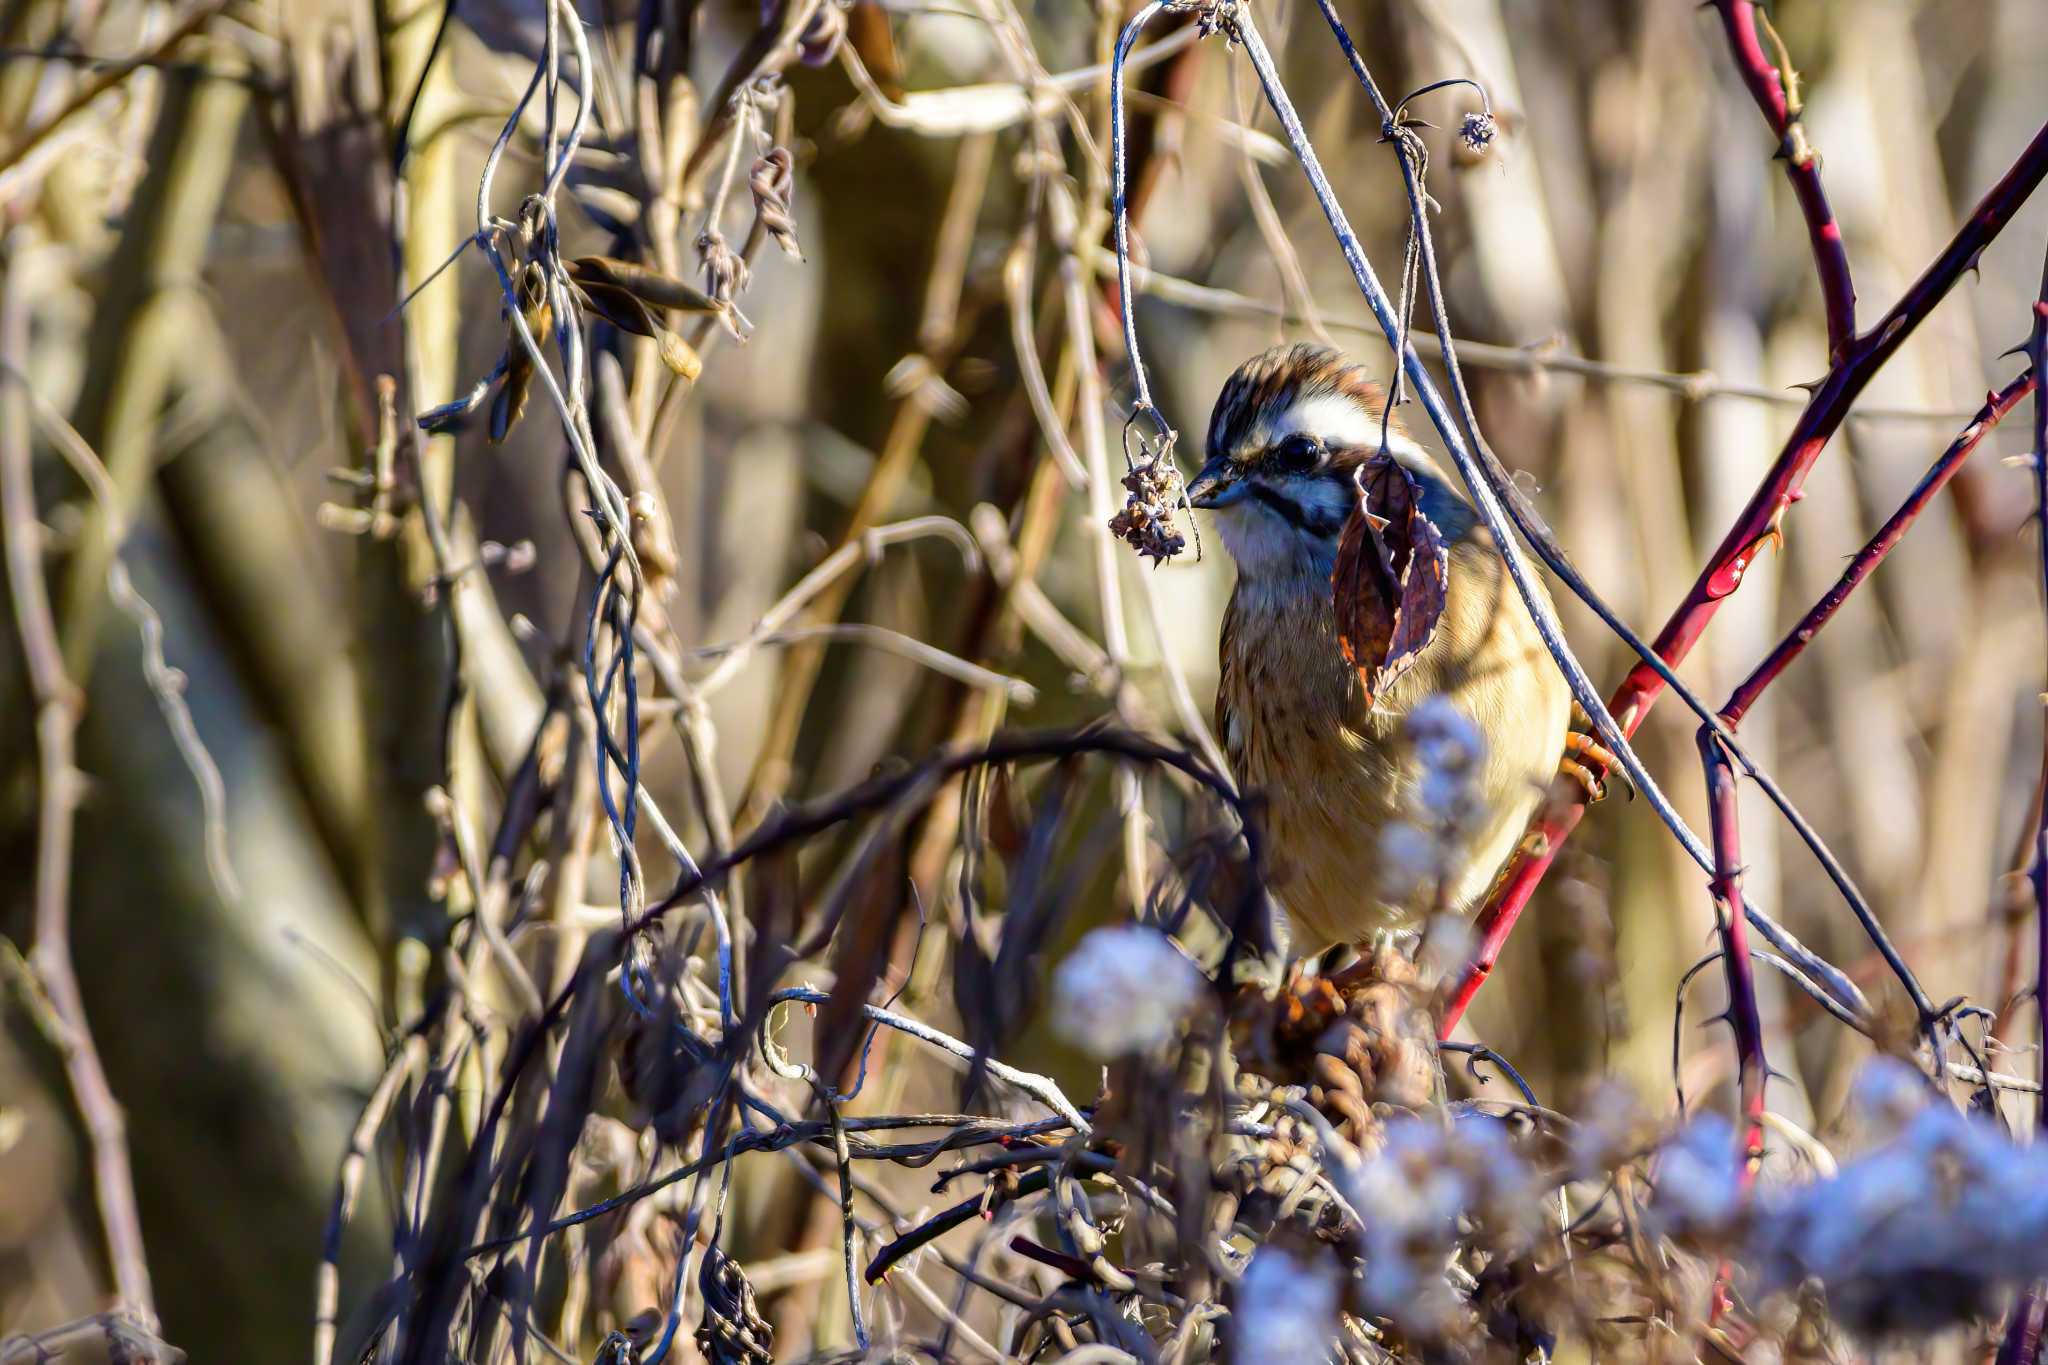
x=1299 y=453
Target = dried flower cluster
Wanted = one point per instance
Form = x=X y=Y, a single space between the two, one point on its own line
x=1477 y=131
x=1360 y=1049
x=1391 y=1226
x=1147 y=522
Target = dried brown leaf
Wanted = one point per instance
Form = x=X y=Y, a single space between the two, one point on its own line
x=1389 y=582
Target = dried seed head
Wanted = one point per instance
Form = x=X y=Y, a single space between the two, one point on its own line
x=1451 y=754
x=1433 y=1186
x=725 y=274
x=1409 y=856
x=1927 y=1230
x=1478 y=131
x=772 y=180
x=1147 y=522
x=1216 y=17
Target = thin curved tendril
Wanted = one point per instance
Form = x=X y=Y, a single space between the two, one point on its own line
x=1119 y=205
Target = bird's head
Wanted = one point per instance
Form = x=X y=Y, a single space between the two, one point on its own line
x=1290 y=429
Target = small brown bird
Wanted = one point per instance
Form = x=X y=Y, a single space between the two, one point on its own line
x=1347 y=736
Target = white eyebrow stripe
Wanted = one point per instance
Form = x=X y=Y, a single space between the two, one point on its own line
x=1338 y=421
x=1330 y=417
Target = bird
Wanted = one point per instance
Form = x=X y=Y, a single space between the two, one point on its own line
x=1477 y=718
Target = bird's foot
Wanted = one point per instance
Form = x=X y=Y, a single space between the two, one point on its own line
x=1589 y=763
x=1375 y=957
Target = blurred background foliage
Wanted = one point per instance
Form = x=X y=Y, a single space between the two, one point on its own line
x=200 y=248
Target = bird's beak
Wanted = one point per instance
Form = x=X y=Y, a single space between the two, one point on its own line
x=1218 y=485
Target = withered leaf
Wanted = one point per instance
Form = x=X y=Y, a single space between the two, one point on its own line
x=1389 y=581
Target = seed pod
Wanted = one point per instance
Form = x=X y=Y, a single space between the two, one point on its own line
x=680 y=356
x=621 y=293
x=651 y=287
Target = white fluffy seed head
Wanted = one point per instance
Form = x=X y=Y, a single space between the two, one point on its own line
x=1887 y=1094
x=1408 y=857
x=1285 y=1311
x=1926 y=1230
x=1122 y=990
x=1425 y=1188
x=1447 y=797
x=1450 y=755
x=1444 y=737
x=1477 y=130
x=1446 y=944
x=1698 y=1179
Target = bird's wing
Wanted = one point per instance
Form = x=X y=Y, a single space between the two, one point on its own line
x=1227 y=683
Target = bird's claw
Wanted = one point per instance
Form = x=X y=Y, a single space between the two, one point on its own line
x=1587 y=762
